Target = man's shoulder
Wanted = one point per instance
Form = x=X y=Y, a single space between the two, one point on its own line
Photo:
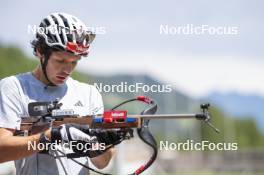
x=9 y=82
x=12 y=81
x=81 y=85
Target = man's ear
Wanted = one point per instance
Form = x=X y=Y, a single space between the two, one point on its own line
x=39 y=55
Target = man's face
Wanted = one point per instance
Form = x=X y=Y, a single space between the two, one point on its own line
x=60 y=66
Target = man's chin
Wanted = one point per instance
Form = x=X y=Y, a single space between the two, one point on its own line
x=59 y=82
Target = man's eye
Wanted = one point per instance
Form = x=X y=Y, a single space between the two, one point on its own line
x=74 y=62
x=60 y=61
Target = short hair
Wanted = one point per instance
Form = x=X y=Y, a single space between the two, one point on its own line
x=39 y=44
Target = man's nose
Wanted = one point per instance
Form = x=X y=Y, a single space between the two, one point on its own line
x=68 y=67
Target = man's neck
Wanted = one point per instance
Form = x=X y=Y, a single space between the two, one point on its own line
x=38 y=73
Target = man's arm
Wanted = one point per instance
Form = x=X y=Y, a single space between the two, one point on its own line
x=15 y=147
x=102 y=161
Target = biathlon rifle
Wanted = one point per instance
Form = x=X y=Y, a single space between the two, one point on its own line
x=48 y=114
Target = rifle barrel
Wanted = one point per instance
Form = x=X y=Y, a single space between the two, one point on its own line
x=165 y=116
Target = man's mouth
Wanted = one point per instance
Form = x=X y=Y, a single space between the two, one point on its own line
x=61 y=77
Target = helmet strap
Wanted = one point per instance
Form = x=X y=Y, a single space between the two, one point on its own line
x=44 y=70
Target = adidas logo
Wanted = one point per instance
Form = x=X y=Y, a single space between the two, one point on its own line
x=79 y=103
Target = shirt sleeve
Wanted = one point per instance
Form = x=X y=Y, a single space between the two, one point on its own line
x=10 y=104
x=96 y=101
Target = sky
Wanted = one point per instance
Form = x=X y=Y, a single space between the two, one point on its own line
x=130 y=40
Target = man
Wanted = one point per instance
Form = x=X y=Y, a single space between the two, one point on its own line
x=60 y=43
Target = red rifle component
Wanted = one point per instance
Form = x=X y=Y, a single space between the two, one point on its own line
x=144 y=99
x=115 y=119
x=115 y=116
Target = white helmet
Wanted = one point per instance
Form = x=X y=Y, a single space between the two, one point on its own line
x=66 y=32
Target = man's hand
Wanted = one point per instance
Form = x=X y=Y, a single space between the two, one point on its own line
x=81 y=134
